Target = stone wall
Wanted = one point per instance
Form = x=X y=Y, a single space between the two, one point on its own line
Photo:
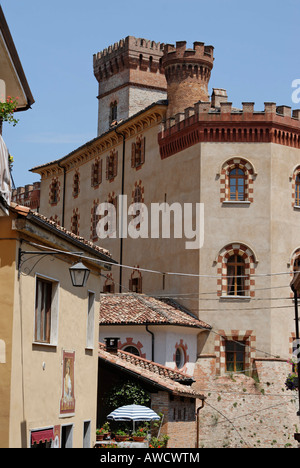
x=247 y=412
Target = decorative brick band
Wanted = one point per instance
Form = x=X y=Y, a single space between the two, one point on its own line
x=54 y=191
x=130 y=342
x=184 y=348
x=138 y=192
x=75 y=222
x=250 y=262
x=292 y=263
x=76 y=184
x=249 y=172
x=94 y=220
x=296 y=172
x=109 y=284
x=246 y=336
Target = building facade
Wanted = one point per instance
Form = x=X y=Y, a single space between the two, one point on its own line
x=48 y=335
x=239 y=167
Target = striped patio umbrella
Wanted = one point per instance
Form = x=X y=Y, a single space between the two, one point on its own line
x=133 y=413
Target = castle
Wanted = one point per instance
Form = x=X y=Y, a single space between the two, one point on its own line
x=163 y=139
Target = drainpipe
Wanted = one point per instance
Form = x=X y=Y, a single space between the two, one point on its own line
x=197 y=422
x=122 y=193
x=152 y=344
x=64 y=194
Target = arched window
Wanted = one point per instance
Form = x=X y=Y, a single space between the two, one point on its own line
x=237 y=180
x=109 y=285
x=75 y=224
x=297 y=190
x=237 y=177
x=135 y=282
x=138 y=152
x=96 y=174
x=113 y=111
x=137 y=194
x=94 y=220
x=236 y=264
x=235 y=276
x=76 y=184
x=54 y=192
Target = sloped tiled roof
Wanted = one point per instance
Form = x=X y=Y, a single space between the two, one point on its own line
x=138 y=309
x=156 y=374
x=35 y=216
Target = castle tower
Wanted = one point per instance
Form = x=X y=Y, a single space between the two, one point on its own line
x=187 y=73
x=130 y=77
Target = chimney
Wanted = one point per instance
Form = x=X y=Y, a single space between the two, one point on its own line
x=111 y=345
x=218 y=96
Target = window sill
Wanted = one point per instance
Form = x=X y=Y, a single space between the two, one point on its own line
x=235 y=298
x=296 y=207
x=236 y=202
x=41 y=343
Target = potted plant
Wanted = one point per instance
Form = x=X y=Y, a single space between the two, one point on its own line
x=7 y=110
x=292 y=381
x=139 y=435
x=120 y=435
x=159 y=443
x=106 y=430
x=99 y=434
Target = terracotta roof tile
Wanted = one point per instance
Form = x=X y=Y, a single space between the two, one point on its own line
x=25 y=211
x=132 y=308
x=151 y=371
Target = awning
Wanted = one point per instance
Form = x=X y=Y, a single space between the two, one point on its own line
x=42 y=436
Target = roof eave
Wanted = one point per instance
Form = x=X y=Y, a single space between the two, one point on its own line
x=7 y=37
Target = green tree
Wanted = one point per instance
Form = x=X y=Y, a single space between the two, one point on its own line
x=128 y=393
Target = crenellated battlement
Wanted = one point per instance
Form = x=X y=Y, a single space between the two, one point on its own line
x=132 y=43
x=130 y=52
x=200 y=53
x=187 y=73
x=203 y=123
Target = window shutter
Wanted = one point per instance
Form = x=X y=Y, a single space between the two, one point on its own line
x=143 y=146
x=130 y=285
x=133 y=155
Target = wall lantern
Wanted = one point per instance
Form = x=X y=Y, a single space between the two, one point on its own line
x=79 y=275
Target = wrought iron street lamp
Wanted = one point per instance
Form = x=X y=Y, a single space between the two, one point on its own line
x=79 y=272
x=79 y=275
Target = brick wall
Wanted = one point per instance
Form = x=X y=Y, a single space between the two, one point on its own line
x=179 y=421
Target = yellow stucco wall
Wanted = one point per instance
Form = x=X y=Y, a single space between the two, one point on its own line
x=32 y=375
x=7 y=281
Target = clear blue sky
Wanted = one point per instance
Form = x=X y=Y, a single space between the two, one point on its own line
x=257 y=56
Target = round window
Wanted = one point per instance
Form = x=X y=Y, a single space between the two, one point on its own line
x=131 y=350
x=179 y=358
